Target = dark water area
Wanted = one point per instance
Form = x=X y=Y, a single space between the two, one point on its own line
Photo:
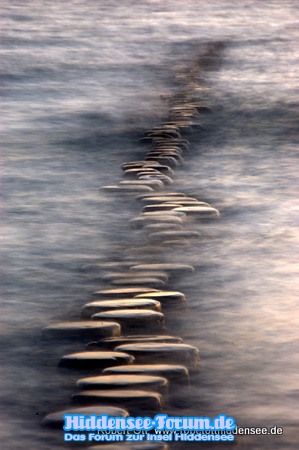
x=81 y=83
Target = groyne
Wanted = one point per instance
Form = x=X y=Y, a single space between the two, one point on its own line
x=131 y=361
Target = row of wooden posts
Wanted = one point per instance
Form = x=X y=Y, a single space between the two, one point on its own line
x=131 y=363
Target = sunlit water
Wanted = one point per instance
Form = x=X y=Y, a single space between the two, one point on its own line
x=82 y=81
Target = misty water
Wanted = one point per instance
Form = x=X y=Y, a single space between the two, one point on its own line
x=82 y=82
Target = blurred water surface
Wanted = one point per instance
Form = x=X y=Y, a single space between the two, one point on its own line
x=81 y=82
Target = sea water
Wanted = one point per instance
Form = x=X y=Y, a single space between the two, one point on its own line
x=82 y=81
